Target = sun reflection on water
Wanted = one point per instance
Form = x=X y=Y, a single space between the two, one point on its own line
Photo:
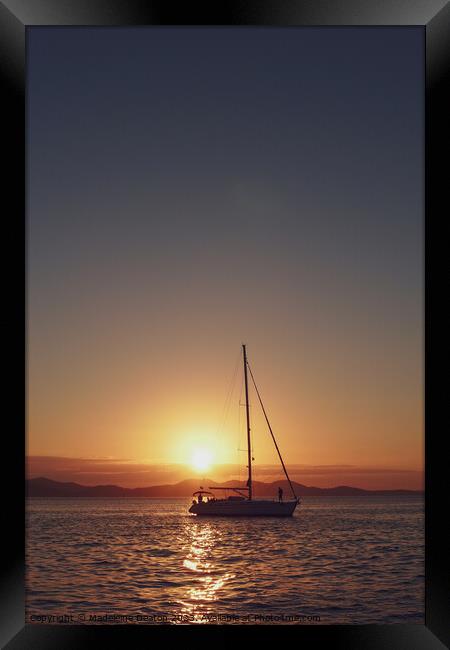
x=201 y=596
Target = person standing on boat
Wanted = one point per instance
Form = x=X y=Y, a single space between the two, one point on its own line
x=280 y=494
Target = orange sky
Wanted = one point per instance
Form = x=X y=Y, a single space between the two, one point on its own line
x=335 y=413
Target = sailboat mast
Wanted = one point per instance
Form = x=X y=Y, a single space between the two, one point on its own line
x=247 y=410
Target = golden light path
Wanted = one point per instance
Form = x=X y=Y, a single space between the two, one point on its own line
x=208 y=583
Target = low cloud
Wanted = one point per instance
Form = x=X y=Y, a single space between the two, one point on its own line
x=129 y=473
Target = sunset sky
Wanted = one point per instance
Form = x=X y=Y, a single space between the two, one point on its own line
x=190 y=190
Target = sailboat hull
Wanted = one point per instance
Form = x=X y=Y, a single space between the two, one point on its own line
x=244 y=508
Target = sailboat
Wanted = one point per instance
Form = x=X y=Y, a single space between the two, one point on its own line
x=243 y=503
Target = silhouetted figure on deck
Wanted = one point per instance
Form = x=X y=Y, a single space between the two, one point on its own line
x=280 y=494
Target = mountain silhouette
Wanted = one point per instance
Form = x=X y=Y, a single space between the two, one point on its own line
x=45 y=487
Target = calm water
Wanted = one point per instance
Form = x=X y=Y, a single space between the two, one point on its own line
x=345 y=560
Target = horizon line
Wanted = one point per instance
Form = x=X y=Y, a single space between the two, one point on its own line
x=315 y=487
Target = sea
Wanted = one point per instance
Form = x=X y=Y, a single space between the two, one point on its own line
x=338 y=560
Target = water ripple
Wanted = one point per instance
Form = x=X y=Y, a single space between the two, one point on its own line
x=347 y=560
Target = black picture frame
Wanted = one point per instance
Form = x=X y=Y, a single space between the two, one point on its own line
x=16 y=16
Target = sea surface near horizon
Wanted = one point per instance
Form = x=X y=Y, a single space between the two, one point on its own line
x=354 y=560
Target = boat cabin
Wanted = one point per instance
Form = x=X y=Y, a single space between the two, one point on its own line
x=203 y=496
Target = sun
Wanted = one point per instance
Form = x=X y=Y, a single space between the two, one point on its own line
x=201 y=459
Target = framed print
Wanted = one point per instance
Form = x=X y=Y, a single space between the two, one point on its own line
x=232 y=222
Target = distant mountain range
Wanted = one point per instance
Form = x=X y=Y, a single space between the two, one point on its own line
x=44 y=487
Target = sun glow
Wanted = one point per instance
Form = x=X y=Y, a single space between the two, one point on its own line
x=201 y=459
